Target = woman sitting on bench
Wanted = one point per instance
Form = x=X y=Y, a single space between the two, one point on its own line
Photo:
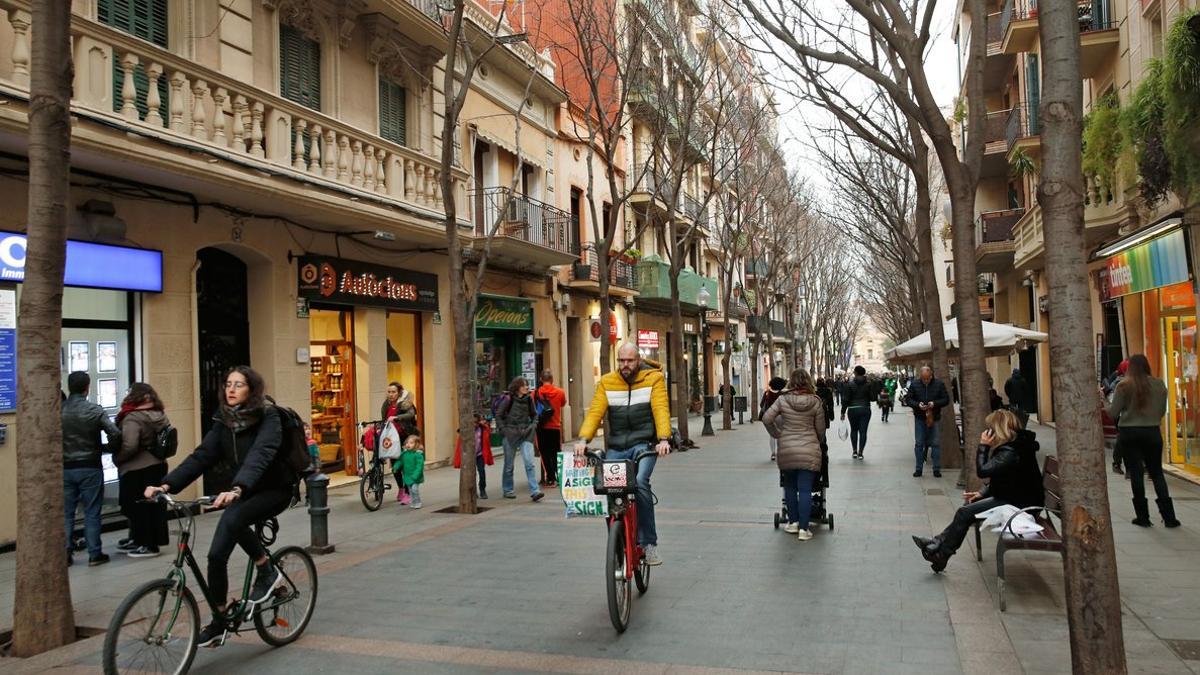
x=1007 y=458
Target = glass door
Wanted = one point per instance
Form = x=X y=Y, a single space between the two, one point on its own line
x=1183 y=388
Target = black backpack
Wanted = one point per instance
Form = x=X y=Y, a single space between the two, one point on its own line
x=166 y=442
x=293 y=447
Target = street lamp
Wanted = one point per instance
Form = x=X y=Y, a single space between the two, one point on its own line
x=702 y=299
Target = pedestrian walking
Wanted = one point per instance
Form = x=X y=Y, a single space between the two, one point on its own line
x=826 y=393
x=483 y=453
x=141 y=420
x=1019 y=395
x=857 y=398
x=413 y=460
x=517 y=422
x=775 y=387
x=549 y=431
x=797 y=420
x=885 y=404
x=1139 y=403
x=927 y=396
x=1109 y=387
x=1007 y=460
x=399 y=410
x=83 y=475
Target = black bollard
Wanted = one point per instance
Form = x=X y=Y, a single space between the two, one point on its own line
x=318 y=514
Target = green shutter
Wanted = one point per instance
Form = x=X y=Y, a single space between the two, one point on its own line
x=299 y=68
x=393 y=122
x=145 y=19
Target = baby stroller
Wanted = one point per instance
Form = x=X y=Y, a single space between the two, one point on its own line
x=820 y=508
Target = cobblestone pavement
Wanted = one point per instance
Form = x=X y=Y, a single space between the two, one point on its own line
x=520 y=589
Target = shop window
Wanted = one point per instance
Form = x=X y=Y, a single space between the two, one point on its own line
x=145 y=19
x=331 y=361
x=299 y=68
x=404 y=356
x=393 y=112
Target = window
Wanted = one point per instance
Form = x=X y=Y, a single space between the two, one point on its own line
x=145 y=19
x=393 y=121
x=1156 y=35
x=299 y=68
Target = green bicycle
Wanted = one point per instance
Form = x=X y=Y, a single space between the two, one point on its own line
x=156 y=627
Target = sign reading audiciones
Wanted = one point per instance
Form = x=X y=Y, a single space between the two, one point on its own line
x=350 y=282
x=1159 y=262
x=503 y=314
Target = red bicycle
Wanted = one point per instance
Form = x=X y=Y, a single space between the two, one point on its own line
x=625 y=560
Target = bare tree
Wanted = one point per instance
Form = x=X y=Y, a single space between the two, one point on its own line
x=43 y=617
x=1090 y=565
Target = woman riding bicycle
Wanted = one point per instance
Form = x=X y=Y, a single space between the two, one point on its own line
x=246 y=434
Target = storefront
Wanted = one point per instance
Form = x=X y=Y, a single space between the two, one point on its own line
x=351 y=306
x=504 y=348
x=1147 y=280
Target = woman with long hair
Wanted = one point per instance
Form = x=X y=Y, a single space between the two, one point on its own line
x=1007 y=460
x=140 y=420
x=797 y=420
x=516 y=419
x=1138 y=406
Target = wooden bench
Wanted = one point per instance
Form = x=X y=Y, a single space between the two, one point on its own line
x=1049 y=539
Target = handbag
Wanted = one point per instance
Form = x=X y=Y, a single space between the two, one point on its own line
x=844 y=430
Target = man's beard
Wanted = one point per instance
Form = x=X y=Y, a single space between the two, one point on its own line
x=627 y=374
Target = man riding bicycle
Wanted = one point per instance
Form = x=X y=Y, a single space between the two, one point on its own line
x=639 y=413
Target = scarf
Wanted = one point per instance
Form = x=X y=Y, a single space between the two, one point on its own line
x=127 y=408
x=239 y=418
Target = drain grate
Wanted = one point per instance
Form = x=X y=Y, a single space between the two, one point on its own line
x=1188 y=650
x=935 y=492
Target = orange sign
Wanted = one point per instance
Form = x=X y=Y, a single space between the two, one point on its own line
x=1178 y=296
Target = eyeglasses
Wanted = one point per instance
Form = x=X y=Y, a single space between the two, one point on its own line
x=236 y=385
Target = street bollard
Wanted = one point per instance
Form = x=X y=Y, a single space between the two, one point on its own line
x=318 y=514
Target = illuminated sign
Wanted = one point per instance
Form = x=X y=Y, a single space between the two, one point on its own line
x=1154 y=264
x=90 y=265
x=349 y=282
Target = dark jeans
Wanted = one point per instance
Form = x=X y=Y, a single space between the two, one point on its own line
x=235 y=527
x=481 y=472
x=147 y=522
x=549 y=445
x=926 y=437
x=1141 y=448
x=860 y=418
x=86 y=487
x=952 y=537
x=797 y=492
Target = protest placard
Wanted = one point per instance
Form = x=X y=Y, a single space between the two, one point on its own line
x=575 y=480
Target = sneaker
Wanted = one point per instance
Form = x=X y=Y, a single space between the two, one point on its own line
x=143 y=552
x=510 y=495
x=400 y=496
x=650 y=555
x=804 y=535
x=213 y=635
x=483 y=494
x=265 y=581
x=405 y=499
x=126 y=545
x=98 y=560
x=538 y=497
x=792 y=528
x=416 y=504
x=917 y=473
x=937 y=473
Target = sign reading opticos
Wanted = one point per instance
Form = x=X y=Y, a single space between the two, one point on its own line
x=503 y=314
x=1154 y=264
x=350 y=282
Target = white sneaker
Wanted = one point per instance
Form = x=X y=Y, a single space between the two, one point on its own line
x=792 y=528
x=804 y=535
x=650 y=555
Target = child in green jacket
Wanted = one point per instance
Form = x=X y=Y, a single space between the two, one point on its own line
x=412 y=459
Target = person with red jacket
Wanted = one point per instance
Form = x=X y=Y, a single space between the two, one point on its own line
x=483 y=452
x=549 y=433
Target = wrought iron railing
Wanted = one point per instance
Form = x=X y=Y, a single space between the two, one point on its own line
x=1022 y=123
x=620 y=270
x=521 y=218
x=997 y=226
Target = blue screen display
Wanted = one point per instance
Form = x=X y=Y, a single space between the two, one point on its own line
x=91 y=265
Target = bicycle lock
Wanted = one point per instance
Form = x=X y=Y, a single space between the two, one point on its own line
x=318 y=514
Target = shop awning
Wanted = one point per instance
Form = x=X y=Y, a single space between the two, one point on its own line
x=998 y=340
x=501 y=130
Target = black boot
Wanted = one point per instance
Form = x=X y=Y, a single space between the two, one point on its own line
x=1117 y=467
x=1167 y=509
x=1141 y=508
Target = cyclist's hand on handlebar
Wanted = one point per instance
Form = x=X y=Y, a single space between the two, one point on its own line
x=663 y=448
x=225 y=499
x=580 y=448
x=153 y=491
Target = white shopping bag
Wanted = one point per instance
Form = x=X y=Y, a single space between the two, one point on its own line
x=575 y=482
x=389 y=445
x=844 y=430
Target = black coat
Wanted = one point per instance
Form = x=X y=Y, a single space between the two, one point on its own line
x=253 y=451
x=860 y=392
x=826 y=394
x=1012 y=471
x=934 y=392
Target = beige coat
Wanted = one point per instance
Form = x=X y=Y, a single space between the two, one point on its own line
x=798 y=421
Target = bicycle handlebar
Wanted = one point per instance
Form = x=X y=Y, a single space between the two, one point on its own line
x=637 y=459
x=167 y=499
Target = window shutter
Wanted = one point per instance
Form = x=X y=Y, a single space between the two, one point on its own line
x=145 y=19
x=299 y=68
x=393 y=103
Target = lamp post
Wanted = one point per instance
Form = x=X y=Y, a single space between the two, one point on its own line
x=702 y=299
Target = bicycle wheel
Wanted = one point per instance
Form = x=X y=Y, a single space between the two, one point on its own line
x=284 y=616
x=154 y=630
x=642 y=576
x=370 y=488
x=620 y=591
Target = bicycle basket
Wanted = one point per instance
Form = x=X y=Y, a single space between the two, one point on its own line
x=615 y=477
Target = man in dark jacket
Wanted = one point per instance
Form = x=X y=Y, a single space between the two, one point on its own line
x=1018 y=392
x=1013 y=476
x=83 y=475
x=927 y=396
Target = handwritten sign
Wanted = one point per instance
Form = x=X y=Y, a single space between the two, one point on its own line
x=575 y=479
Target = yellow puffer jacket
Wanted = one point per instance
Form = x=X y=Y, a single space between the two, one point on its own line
x=638 y=411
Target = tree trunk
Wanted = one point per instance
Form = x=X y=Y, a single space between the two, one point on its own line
x=678 y=365
x=755 y=394
x=1090 y=565
x=603 y=265
x=43 y=617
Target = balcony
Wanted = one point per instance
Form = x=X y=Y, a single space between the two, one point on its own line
x=1018 y=26
x=1107 y=210
x=995 y=149
x=1099 y=38
x=530 y=234
x=1097 y=29
x=585 y=273
x=653 y=278
x=997 y=64
x=994 y=242
x=656 y=192
x=1030 y=249
x=1024 y=129
x=761 y=325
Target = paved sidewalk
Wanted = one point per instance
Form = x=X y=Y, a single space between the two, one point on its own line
x=520 y=589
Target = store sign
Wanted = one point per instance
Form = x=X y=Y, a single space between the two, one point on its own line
x=1156 y=263
x=501 y=314
x=8 y=350
x=350 y=282
x=647 y=339
x=1178 y=296
x=90 y=265
x=596 y=331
